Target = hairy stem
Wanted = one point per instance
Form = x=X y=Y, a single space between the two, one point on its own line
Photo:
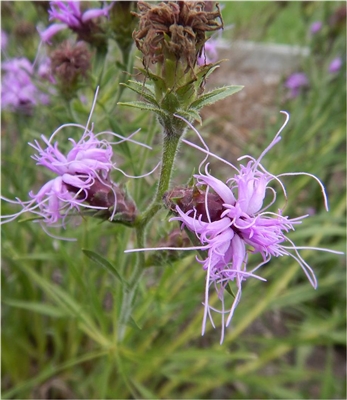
x=169 y=152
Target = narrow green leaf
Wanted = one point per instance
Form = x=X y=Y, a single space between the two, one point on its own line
x=229 y=290
x=158 y=80
x=143 y=91
x=144 y=106
x=190 y=115
x=144 y=391
x=133 y=324
x=51 y=370
x=41 y=308
x=97 y=258
x=68 y=303
x=205 y=70
x=215 y=95
x=38 y=256
x=186 y=92
x=57 y=294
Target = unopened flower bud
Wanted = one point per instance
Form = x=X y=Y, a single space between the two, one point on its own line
x=122 y=23
x=70 y=63
x=195 y=199
x=24 y=30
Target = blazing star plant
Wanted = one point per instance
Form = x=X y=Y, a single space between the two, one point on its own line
x=227 y=221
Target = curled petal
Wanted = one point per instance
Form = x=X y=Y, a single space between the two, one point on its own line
x=218 y=186
x=52 y=30
x=95 y=13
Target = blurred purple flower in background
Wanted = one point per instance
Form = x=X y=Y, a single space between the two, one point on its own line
x=210 y=52
x=316 y=27
x=44 y=70
x=18 y=92
x=296 y=82
x=335 y=65
x=4 y=40
x=70 y=16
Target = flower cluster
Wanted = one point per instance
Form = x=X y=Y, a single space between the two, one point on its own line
x=81 y=176
x=18 y=91
x=230 y=220
x=82 y=181
x=69 y=14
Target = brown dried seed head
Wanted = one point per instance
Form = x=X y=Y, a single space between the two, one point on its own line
x=70 y=61
x=175 y=27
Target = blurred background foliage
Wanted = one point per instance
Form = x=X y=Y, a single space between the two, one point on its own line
x=60 y=308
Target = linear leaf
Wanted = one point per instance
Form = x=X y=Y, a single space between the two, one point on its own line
x=191 y=114
x=142 y=90
x=41 y=308
x=144 y=106
x=215 y=95
x=97 y=258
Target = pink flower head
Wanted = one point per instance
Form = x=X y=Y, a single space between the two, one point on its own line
x=18 y=91
x=335 y=65
x=79 y=173
x=316 y=27
x=69 y=15
x=296 y=82
x=242 y=226
x=82 y=178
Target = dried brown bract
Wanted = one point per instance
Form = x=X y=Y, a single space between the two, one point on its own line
x=174 y=30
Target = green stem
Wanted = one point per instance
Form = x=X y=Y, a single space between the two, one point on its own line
x=170 y=146
x=130 y=292
x=169 y=151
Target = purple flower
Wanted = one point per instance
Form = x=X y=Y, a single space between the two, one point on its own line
x=335 y=65
x=4 y=40
x=243 y=227
x=210 y=50
x=69 y=14
x=296 y=82
x=18 y=92
x=231 y=220
x=210 y=53
x=82 y=179
x=316 y=27
x=44 y=70
x=82 y=171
